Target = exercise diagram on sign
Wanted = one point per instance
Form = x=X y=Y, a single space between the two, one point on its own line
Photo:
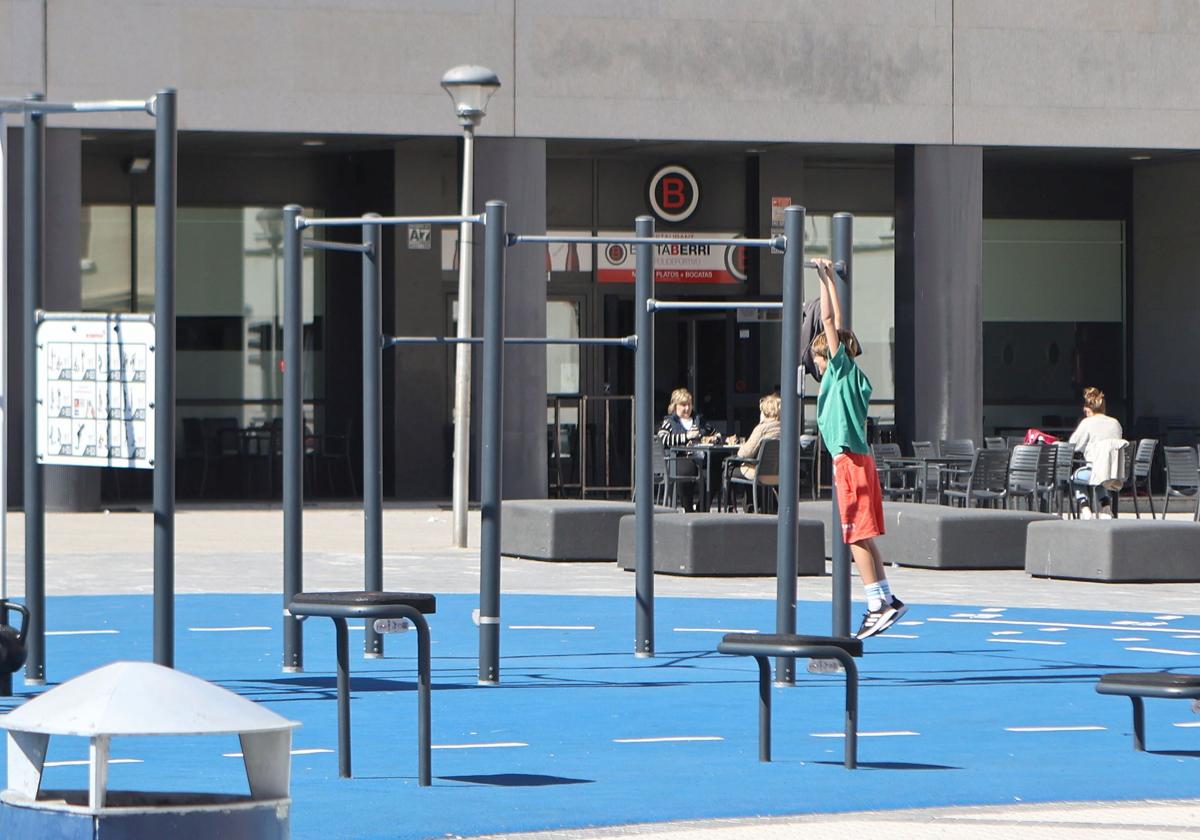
x=95 y=387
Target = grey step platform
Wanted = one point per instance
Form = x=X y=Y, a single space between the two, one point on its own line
x=722 y=544
x=1114 y=550
x=563 y=529
x=940 y=537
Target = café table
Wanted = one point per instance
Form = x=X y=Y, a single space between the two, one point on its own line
x=711 y=454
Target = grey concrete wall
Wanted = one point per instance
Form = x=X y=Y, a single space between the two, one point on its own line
x=1076 y=73
x=22 y=54
x=1027 y=72
x=1166 y=291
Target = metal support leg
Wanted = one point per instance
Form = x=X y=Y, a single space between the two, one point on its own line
x=764 y=708
x=343 y=697
x=423 y=692
x=851 y=754
x=1139 y=723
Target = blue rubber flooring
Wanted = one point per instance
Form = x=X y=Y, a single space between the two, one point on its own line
x=958 y=706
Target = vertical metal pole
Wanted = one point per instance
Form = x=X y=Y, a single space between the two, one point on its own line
x=644 y=429
x=491 y=465
x=4 y=377
x=343 y=694
x=293 y=435
x=165 y=146
x=842 y=249
x=35 y=501
x=460 y=491
x=789 y=436
x=372 y=391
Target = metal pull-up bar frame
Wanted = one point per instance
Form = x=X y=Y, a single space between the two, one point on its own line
x=162 y=106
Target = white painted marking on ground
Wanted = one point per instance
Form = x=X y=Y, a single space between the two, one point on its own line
x=972 y=616
x=894 y=733
x=993 y=609
x=1185 y=637
x=1131 y=623
x=1131 y=639
x=83 y=762
x=356 y=627
x=1054 y=729
x=312 y=751
x=1016 y=623
x=1165 y=650
x=1008 y=632
x=491 y=746
x=226 y=629
x=82 y=632
x=1025 y=642
x=667 y=739
x=1189 y=725
x=909 y=623
x=551 y=627
x=1053 y=629
x=1167 y=617
x=712 y=630
x=894 y=636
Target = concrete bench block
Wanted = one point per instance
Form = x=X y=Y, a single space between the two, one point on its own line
x=1114 y=550
x=722 y=544
x=563 y=529
x=940 y=537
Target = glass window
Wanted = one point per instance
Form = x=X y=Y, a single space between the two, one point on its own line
x=229 y=300
x=562 y=360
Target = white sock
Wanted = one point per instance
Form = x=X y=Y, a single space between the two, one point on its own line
x=885 y=590
x=874 y=596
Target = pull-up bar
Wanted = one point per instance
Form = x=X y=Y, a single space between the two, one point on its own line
x=104 y=106
x=303 y=222
x=629 y=341
x=779 y=243
x=653 y=305
x=326 y=245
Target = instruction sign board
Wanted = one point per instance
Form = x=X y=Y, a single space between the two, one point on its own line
x=95 y=390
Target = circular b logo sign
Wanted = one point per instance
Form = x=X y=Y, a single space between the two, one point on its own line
x=674 y=193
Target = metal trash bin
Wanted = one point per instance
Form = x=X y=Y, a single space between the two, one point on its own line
x=139 y=699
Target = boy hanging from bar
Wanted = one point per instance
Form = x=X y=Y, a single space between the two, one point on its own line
x=842 y=418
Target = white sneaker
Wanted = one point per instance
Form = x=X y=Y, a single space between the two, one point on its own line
x=1085 y=512
x=1104 y=513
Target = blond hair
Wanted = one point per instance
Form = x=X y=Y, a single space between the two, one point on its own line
x=770 y=406
x=679 y=395
x=820 y=344
x=1093 y=398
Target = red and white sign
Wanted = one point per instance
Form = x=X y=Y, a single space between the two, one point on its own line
x=676 y=260
x=674 y=193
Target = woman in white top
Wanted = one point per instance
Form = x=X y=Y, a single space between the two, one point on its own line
x=1093 y=430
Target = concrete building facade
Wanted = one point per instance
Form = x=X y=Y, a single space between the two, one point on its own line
x=1023 y=177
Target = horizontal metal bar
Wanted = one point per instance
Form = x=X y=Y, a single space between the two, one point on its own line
x=127 y=317
x=326 y=245
x=779 y=242
x=303 y=222
x=39 y=107
x=653 y=305
x=629 y=341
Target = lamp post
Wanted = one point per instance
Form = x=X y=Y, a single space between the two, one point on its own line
x=470 y=87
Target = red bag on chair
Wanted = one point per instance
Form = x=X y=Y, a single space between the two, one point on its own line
x=1037 y=436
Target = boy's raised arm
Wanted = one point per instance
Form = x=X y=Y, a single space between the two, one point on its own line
x=831 y=309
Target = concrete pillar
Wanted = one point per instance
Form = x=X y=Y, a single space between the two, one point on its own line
x=514 y=170
x=939 y=292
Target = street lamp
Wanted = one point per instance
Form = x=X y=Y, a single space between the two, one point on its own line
x=470 y=87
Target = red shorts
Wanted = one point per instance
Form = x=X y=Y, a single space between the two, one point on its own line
x=860 y=500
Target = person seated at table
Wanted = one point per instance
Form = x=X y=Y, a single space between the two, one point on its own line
x=683 y=427
x=1093 y=437
x=767 y=429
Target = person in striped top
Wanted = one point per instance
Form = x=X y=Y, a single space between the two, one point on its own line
x=683 y=427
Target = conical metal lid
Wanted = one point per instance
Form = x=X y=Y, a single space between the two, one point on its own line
x=141 y=698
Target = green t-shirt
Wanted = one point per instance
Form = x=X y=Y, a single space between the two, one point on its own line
x=842 y=405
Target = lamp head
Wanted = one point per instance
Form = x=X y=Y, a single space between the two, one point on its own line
x=470 y=87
